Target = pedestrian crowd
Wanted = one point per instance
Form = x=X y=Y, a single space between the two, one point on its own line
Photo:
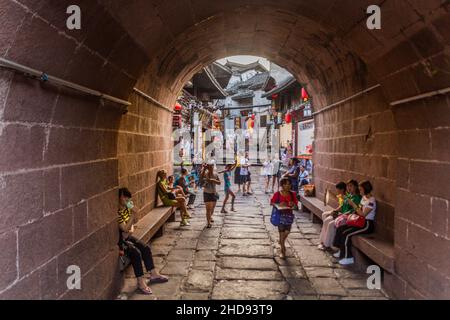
x=284 y=180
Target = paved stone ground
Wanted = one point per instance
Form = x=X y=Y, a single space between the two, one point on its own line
x=238 y=259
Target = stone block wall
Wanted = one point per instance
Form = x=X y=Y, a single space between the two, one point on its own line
x=358 y=140
x=59 y=164
x=422 y=220
x=144 y=147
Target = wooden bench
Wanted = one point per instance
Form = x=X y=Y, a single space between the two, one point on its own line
x=378 y=250
x=152 y=224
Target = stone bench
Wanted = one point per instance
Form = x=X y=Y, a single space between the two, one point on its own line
x=377 y=249
x=152 y=224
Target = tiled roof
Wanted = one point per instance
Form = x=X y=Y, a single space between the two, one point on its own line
x=243 y=95
x=283 y=85
x=254 y=83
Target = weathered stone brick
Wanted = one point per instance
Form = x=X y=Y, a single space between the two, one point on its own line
x=102 y=210
x=439 y=216
x=82 y=182
x=438 y=284
x=41 y=240
x=430 y=178
x=8 y=247
x=413 y=207
x=48 y=281
x=413 y=270
x=426 y=43
x=35 y=53
x=75 y=109
x=21 y=147
x=440 y=144
x=27 y=288
x=22 y=198
x=52 y=190
x=29 y=100
x=80 y=221
x=429 y=247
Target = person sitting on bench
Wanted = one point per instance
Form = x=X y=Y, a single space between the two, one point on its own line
x=184 y=184
x=367 y=209
x=169 y=199
x=136 y=250
x=174 y=187
x=328 y=228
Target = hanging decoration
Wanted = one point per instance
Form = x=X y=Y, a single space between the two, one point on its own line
x=288 y=118
x=274 y=96
x=305 y=96
x=253 y=117
x=177 y=118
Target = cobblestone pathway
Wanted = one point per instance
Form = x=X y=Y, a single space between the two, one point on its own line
x=238 y=259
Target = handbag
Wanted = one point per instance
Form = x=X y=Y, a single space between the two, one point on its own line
x=275 y=217
x=355 y=220
x=310 y=190
x=124 y=261
x=341 y=220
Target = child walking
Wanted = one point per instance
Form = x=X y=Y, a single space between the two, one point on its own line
x=284 y=201
x=228 y=192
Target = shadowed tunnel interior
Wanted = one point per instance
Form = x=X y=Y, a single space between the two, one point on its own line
x=64 y=155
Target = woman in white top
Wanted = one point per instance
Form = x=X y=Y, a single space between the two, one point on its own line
x=367 y=208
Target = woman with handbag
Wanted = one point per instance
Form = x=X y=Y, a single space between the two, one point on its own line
x=209 y=180
x=335 y=219
x=169 y=199
x=282 y=217
x=136 y=251
x=359 y=222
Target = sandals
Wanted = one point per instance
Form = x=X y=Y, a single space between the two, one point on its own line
x=145 y=291
x=159 y=279
x=223 y=211
x=209 y=226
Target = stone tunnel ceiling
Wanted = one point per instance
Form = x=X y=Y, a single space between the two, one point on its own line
x=326 y=44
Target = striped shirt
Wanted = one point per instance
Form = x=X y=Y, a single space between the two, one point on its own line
x=124 y=215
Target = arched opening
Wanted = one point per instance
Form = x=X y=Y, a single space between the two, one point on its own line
x=63 y=155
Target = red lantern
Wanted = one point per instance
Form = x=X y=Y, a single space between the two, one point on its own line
x=288 y=118
x=253 y=117
x=274 y=96
x=305 y=95
x=178 y=107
